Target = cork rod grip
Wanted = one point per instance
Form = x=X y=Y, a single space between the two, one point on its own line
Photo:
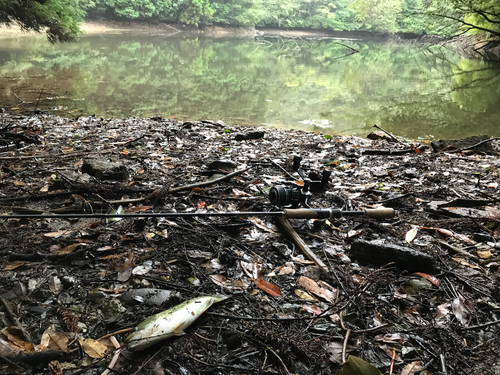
x=380 y=213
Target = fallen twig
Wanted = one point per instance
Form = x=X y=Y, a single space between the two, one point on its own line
x=344 y=346
x=207 y=183
x=389 y=134
x=290 y=232
x=115 y=356
x=478 y=144
x=480 y=325
x=14 y=320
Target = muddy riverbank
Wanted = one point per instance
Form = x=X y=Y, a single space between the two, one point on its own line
x=417 y=291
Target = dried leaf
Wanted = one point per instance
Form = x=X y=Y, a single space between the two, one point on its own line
x=432 y=279
x=484 y=254
x=138 y=209
x=55 y=340
x=353 y=233
x=314 y=288
x=462 y=309
x=268 y=287
x=106 y=248
x=466 y=264
x=411 y=368
x=442 y=310
x=55 y=284
x=93 y=348
x=304 y=295
x=445 y=231
x=411 y=234
x=225 y=283
x=287 y=269
x=13 y=265
x=55 y=368
x=58 y=234
x=16 y=343
x=312 y=309
x=252 y=270
x=68 y=249
x=266 y=227
x=358 y=366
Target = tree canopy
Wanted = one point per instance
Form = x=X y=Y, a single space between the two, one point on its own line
x=59 y=18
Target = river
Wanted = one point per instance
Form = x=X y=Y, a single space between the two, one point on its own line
x=328 y=85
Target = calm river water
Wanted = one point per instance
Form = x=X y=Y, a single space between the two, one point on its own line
x=320 y=85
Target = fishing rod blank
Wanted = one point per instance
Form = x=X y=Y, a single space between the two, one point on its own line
x=300 y=213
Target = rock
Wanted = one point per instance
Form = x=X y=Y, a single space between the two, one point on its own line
x=149 y=296
x=64 y=298
x=112 y=309
x=96 y=295
x=222 y=164
x=483 y=237
x=249 y=136
x=105 y=170
x=416 y=286
x=458 y=144
x=410 y=173
x=377 y=134
x=379 y=254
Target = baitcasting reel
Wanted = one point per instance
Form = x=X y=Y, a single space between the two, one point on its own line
x=294 y=196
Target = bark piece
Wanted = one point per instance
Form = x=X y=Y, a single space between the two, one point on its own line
x=379 y=254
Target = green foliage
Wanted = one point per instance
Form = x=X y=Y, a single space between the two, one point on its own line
x=446 y=17
x=378 y=15
x=483 y=16
x=195 y=12
x=60 y=18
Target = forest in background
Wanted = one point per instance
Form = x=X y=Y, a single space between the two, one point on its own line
x=442 y=17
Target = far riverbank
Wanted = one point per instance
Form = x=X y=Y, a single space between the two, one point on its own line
x=470 y=46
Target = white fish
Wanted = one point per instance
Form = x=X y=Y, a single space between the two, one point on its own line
x=168 y=323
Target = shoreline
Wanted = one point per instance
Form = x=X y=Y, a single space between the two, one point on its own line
x=470 y=46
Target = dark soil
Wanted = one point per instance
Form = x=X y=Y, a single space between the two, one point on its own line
x=65 y=281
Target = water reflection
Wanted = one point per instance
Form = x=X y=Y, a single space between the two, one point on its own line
x=303 y=84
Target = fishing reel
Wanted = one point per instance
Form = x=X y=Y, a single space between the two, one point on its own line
x=292 y=195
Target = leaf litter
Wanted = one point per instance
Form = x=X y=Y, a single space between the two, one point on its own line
x=64 y=280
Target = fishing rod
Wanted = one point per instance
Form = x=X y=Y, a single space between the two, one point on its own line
x=289 y=196
x=288 y=213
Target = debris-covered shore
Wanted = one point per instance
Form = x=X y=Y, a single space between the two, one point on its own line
x=418 y=293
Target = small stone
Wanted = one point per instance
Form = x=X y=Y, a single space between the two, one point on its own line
x=416 y=286
x=282 y=248
x=149 y=296
x=105 y=170
x=483 y=237
x=64 y=298
x=112 y=308
x=222 y=164
x=68 y=281
x=290 y=307
x=410 y=173
x=96 y=295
